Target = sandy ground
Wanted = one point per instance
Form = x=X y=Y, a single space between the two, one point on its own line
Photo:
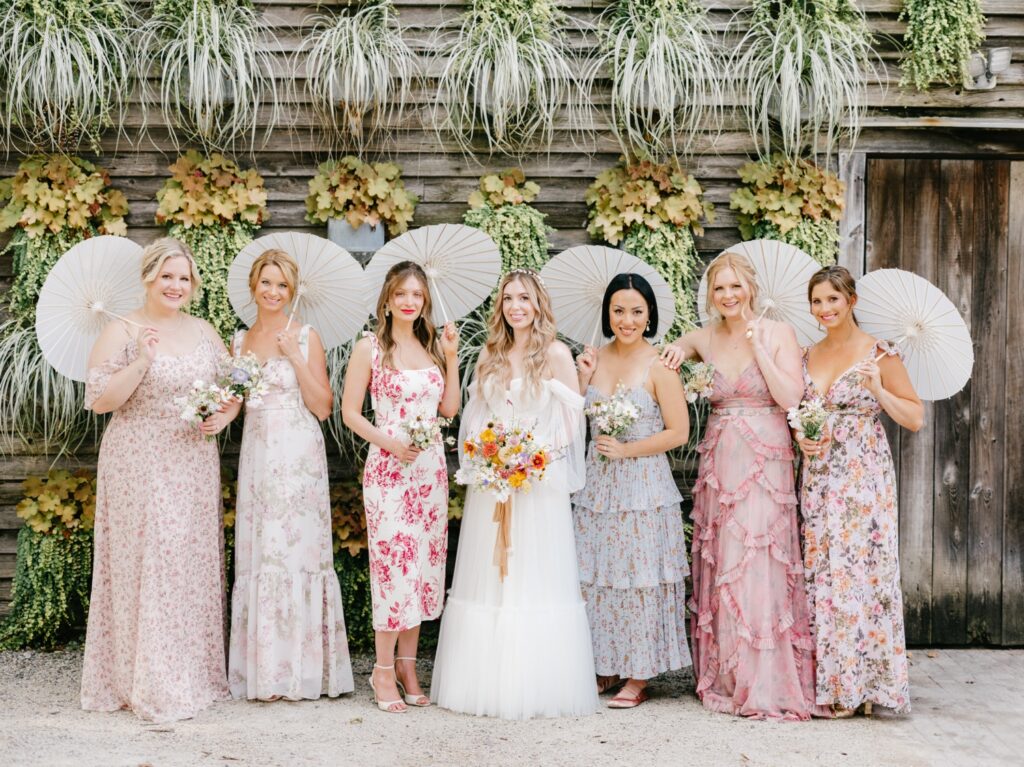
x=968 y=710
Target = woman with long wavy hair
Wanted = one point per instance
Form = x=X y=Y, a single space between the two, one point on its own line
x=517 y=645
x=409 y=372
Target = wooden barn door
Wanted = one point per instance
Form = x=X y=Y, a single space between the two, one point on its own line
x=960 y=224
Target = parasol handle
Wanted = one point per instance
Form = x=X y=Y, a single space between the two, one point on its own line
x=98 y=307
x=597 y=329
x=767 y=306
x=295 y=307
x=897 y=342
x=435 y=293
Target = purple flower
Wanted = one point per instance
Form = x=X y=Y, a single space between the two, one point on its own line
x=239 y=376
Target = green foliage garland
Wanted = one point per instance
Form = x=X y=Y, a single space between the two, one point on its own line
x=940 y=38
x=818 y=239
x=670 y=250
x=501 y=209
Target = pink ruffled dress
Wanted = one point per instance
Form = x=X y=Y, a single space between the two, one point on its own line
x=752 y=647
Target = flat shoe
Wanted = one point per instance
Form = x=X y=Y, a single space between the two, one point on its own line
x=625 y=700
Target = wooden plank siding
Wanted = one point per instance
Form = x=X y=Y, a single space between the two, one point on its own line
x=909 y=128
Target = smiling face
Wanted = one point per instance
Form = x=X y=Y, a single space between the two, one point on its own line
x=172 y=287
x=831 y=307
x=272 y=292
x=730 y=294
x=628 y=315
x=516 y=305
x=407 y=299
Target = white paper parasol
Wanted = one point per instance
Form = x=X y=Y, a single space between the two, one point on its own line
x=783 y=272
x=461 y=262
x=907 y=310
x=577 y=278
x=331 y=291
x=96 y=280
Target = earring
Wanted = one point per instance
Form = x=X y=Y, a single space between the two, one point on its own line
x=648 y=326
x=387 y=310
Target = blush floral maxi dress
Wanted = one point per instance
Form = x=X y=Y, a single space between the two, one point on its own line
x=752 y=644
x=155 y=638
x=406 y=504
x=287 y=625
x=851 y=554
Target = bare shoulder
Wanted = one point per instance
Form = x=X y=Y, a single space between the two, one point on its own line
x=361 y=347
x=558 y=352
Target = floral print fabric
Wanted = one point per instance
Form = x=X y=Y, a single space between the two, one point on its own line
x=851 y=554
x=287 y=625
x=155 y=637
x=406 y=504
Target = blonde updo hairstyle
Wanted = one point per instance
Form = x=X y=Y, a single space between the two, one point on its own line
x=744 y=272
x=157 y=252
x=284 y=262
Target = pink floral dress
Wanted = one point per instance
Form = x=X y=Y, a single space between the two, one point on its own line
x=851 y=554
x=406 y=504
x=155 y=639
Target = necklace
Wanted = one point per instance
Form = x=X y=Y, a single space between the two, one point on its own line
x=152 y=323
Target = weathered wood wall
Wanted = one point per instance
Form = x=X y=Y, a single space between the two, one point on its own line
x=899 y=122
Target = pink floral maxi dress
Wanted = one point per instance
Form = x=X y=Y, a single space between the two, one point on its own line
x=851 y=554
x=155 y=639
x=287 y=626
x=406 y=504
x=752 y=646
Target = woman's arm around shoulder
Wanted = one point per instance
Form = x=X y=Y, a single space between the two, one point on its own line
x=687 y=346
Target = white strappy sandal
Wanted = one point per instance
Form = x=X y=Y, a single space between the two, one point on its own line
x=385 y=705
x=412 y=700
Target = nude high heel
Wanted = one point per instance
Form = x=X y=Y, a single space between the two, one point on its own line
x=411 y=700
x=385 y=705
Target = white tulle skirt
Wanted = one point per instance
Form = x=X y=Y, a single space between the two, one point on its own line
x=520 y=647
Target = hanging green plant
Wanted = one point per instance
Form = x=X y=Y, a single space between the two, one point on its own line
x=215 y=208
x=53 y=202
x=501 y=208
x=509 y=75
x=940 y=38
x=803 y=67
x=214 y=70
x=360 y=192
x=662 y=58
x=50 y=595
x=65 y=70
x=359 y=69
x=795 y=202
x=654 y=211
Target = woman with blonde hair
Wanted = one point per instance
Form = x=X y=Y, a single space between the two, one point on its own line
x=287 y=626
x=751 y=638
x=409 y=372
x=518 y=646
x=155 y=639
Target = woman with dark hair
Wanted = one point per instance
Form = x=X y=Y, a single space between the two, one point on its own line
x=848 y=504
x=629 y=528
x=409 y=372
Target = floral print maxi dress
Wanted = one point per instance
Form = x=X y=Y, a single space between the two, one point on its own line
x=851 y=554
x=155 y=639
x=406 y=504
x=287 y=626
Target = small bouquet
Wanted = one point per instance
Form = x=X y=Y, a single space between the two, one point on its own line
x=502 y=459
x=425 y=432
x=613 y=416
x=242 y=377
x=808 y=419
x=201 y=402
x=698 y=378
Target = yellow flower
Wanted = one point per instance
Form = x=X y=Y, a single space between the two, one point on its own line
x=517 y=479
x=488 y=435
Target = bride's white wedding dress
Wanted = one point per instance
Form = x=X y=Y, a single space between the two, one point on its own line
x=520 y=647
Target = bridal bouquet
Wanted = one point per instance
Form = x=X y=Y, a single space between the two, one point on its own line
x=242 y=377
x=425 y=432
x=613 y=416
x=502 y=459
x=698 y=378
x=201 y=402
x=808 y=419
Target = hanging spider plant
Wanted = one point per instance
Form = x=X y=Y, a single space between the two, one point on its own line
x=64 y=71
x=663 y=62
x=802 y=68
x=214 y=74
x=358 y=67
x=509 y=73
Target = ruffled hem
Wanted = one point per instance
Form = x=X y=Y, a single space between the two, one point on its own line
x=288 y=636
x=717 y=424
x=628 y=484
x=635 y=549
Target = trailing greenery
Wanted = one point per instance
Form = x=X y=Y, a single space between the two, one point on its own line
x=358 y=68
x=65 y=70
x=802 y=66
x=509 y=72
x=361 y=192
x=940 y=38
x=215 y=70
x=50 y=596
x=654 y=210
x=795 y=202
x=501 y=208
x=663 y=61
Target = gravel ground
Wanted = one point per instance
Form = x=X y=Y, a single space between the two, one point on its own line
x=41 y=724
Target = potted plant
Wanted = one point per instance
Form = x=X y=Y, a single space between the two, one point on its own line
x=214 y=71
x=52 y=203
x=653 y=210
x=214 y=207
x=663 y=62
x=49 y=103
x=357 y=200
x=359 y=68
x=940 y=38
x=792 y=201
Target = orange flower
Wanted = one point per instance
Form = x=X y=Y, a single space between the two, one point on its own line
x=490 y=449
x=539 y=460
x=469 y=448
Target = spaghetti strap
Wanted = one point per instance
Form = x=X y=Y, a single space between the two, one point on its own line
x=647 y=370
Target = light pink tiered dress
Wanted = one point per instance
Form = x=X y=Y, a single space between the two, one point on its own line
x=155 y=640
x=752 y=648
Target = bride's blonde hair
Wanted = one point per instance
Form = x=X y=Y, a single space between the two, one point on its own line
x=495 y=363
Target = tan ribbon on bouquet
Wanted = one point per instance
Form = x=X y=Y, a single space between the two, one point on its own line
x=503 y=540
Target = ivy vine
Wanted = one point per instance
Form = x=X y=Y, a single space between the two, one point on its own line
x=671 y=251
x=940 y=38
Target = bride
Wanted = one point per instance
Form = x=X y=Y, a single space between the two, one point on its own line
x=519 y=646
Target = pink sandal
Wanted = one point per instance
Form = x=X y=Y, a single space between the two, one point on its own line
x=626 y=700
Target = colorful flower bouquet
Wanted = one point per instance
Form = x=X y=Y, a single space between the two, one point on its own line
x=425 y=432
x=613 y=416
x=242 y=377
x=502 y=459
x=809 y=419
x=698 y=378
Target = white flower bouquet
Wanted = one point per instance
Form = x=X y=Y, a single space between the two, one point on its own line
x=698 y=380
x=424 y=432
x=242 y=377
x=201 y=402
x=613 y=416
x=809 y=419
